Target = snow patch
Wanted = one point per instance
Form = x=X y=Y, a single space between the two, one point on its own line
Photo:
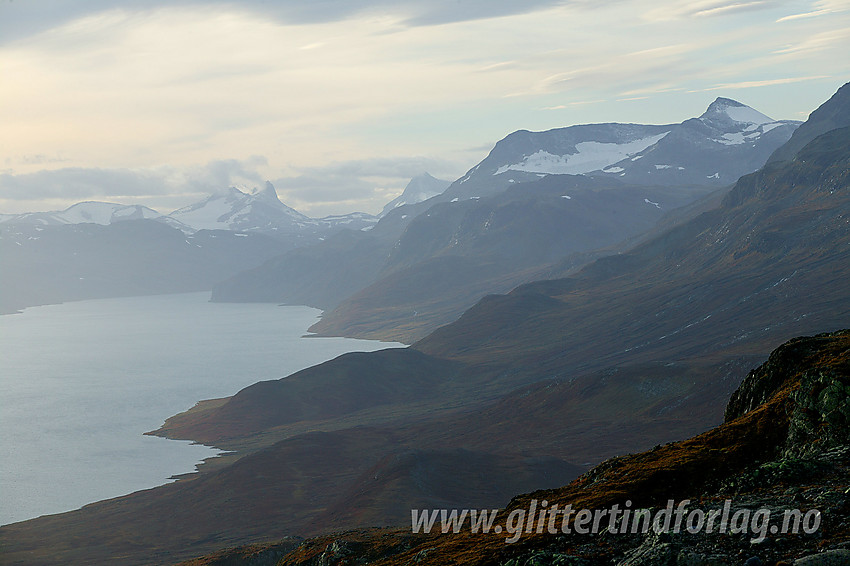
x=747 y=115
x=589 y=156
x=655 y=204
x=568 y=197
x=208 y=216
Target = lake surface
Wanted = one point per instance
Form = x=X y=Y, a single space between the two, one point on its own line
x=81 y=382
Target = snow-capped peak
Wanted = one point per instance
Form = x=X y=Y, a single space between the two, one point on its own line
x=724 y=111
x=237 y=210
x=89 y=212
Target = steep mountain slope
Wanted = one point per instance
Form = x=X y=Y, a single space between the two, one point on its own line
x=835 y=113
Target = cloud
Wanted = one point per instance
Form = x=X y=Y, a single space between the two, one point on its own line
x=762 y=83
x=681 y=9
x=385 y=167
x=20 y=19
x=837 y=39
x=367 y=184
x=821 y=8
x=73 y=184
x=325 y=89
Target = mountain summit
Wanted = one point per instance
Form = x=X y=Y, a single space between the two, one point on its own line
x=237 y=210
x=725 y=113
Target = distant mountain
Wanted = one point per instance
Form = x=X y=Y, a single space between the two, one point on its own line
x=729 y=140
x=262 y=211
x=103 y=213
x=61 y=256
x=53 y=263
x=420 y=188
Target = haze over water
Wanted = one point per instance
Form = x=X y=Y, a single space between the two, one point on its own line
x=81 y=382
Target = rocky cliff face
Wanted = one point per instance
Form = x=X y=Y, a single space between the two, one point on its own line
x=816 y=380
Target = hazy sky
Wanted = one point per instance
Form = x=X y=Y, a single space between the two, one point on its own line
x=340 y=102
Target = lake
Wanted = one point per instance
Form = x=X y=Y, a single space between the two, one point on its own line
x=81 y=382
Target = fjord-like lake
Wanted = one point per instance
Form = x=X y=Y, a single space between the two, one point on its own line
x=81 y=382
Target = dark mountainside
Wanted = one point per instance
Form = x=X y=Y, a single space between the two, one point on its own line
x=521 y=393
x=501 y=225
x=833 y=114
x=784 y=444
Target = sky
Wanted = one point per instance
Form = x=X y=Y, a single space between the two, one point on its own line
x=340 y=102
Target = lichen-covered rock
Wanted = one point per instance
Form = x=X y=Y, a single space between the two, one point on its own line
x=815 y=371
x=780 y=369
x=821 y=416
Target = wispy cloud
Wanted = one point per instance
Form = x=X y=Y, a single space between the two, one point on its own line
x=821 y=8
x=818 y=42
x=371 y=183
x=21 y=19
x=763 y=83
x=804 y=15
x=679 y=9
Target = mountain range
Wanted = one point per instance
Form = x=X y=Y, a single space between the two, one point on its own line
x=257 y=211
x=99 y=249
x=540 y=205
x=633 y=351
